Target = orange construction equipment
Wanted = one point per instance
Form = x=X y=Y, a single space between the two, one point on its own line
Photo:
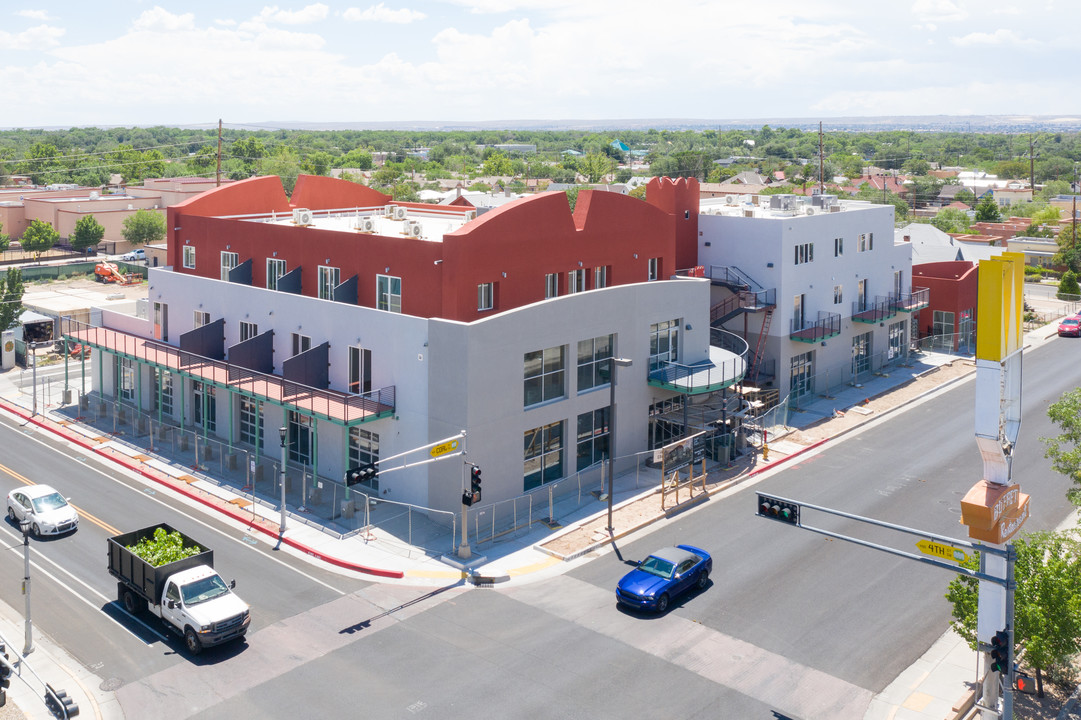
x=108 y=272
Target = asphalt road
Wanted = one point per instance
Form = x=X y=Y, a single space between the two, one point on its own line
x=793 y=625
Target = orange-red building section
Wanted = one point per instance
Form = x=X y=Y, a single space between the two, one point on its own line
x=513 y=247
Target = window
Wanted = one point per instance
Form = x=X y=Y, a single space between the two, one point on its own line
x=248 y=330
x=838 y=295
x=388 y=293
x=551 y=285
x=594 y=362
x=800 y=375
x=805 y=253
x=275 y=268
x=592 y=437
x=576 y=281
x=798 y=315
x=544 y=375
x=229 y=260
x=328 y=280
x=125 y=378
x=300 y=438
x=364 y=449
x=201 y=318
x=484 y=297
x=163 y=391
x=360 y=370
x=205 y=407
x=543 y=455
x=865 y=242
x=861 y=353
x=838 y=247
x=942 y=323
x=189 y=257
x=896 y=340
x=861 y=296
x=301 y=343
x=161 y=321
x=251 y=421
x=663 y=343
x=600 y=277
x=898 y=283
x=654 y=269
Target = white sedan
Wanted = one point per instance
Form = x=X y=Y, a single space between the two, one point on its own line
x=47 y=511
x=139 y=254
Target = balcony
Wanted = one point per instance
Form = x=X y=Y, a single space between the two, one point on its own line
x=338 y=407
x=726 y=366
x=826 y=326
x=917 y=299
x=881 y=308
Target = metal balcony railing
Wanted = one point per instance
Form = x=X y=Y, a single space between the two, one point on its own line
x=826 y=326
x=915 y=299
x=874 y=311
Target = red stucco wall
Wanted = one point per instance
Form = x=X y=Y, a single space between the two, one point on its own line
x=953 y=288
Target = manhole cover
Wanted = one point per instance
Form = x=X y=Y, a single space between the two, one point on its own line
x=111 y=684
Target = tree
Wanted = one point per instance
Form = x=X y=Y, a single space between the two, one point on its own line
x=248 y=151
x=145 y=226
x=1064 y=451
x=951 y=220
x=285 y=163
x=11 y=296
x=595 y=166
x=916 y=166
x=318 y=163
x=1067 y=287
x=1047 y=594
x=5 y=240
x=1069 y=254
x=987 y=210
x=88 y=233
x=38 y=237
x=497 y=164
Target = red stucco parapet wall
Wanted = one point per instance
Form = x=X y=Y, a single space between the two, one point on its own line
x=680 y=198
x=315 y=192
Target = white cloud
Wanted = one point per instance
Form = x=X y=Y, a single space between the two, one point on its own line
x=34 y=14
x=161 y=20
x=381 y=13
x=35 y=38
x=938 y=11
x=309 y=14
x=997 y=38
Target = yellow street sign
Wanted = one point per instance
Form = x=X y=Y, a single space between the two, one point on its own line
x=941 y=550
x=443 y=448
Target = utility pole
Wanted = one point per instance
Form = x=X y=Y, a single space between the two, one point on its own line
x=219 y=154
x=1031 y=163
x=821 y=163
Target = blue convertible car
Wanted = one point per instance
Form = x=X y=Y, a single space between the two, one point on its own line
x=663 y=575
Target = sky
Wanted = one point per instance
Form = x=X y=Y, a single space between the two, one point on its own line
x=133 y=62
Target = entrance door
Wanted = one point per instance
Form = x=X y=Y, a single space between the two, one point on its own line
x=300 y=438
x=206 y=408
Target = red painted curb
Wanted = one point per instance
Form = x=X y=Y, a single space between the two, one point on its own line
x=789 y=457
x=76 y=439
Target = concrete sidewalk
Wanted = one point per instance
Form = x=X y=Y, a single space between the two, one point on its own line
x=928 y=690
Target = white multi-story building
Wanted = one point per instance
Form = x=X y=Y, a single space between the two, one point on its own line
x=818 y=286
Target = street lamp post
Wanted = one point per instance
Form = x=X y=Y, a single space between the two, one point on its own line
x=616 y=362
x=283 y=433
x=28 y=646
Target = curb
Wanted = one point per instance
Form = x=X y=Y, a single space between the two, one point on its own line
x=379 y=572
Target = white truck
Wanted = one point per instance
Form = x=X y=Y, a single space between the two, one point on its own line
x=190 y=598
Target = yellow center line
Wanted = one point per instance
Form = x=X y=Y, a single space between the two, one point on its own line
x=97 y=521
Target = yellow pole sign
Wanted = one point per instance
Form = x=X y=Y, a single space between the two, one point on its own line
x=443 y=448
x=942 y=550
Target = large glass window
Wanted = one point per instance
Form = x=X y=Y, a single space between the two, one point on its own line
x=163 y=391
x=363 y=449
x=229 y=260
x=275 y=268
x=248 y=330
x=125 y=378
x=861 y=353
x=800 y=378
x=600 y=277
x=251 y=421
x=201 y=318
x=943 y=323
x=485 y=297
x=543 y=455
x=388 y=293
x=576 y=281
x=301 y=343
x=594 y=362
x=544 y=375
x=551 y=285
x=300 y=438
x=329 y=278
x=189 y=256
x=360 y=370
x=592 y=437
x=896 y=339
x=205 y=407
x=663 y=343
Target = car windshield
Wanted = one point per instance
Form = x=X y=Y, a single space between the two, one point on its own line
x=52 y=501
x=203 y=590
x=658 y=566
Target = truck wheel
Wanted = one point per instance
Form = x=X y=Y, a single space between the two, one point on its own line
x=134 y=605
x=192 y=641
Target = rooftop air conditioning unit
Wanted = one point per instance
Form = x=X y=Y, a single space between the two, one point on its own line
x=809 y=210
x=729 y=199
x=470 y=215
x=411 y=228
x=399 y=213
x=366 y=225
x=302 y=217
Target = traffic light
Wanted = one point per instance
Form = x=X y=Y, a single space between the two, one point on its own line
x=474 y=483
x=365 y=473
x=467 y=499
x=1025 y=683
x=1000 y=652
x=776 y=509
x=59 y=703
x=5 y=675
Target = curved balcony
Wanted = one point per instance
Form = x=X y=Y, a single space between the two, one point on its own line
x=726 y=366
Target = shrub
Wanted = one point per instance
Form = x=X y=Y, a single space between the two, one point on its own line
x=1068 y=286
